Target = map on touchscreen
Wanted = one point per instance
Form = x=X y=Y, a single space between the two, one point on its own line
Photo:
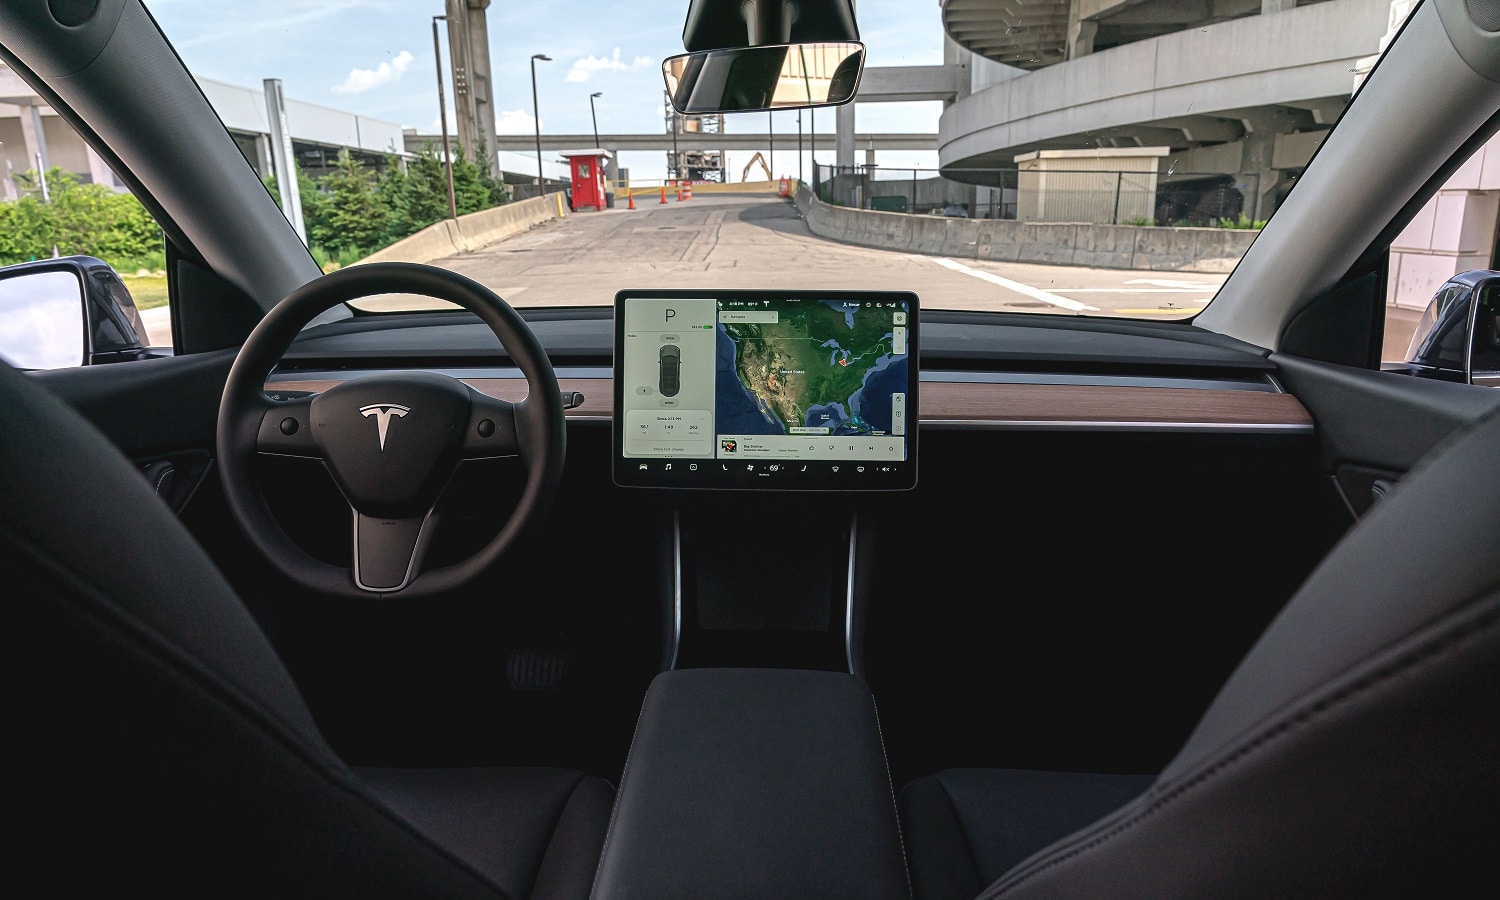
x=823 y=368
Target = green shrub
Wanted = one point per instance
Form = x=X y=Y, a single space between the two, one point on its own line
x=78 y=218
x=1242 y=222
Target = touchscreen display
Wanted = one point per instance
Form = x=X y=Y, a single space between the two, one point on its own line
x=810 y=390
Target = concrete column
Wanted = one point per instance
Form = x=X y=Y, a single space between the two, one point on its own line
x=1267 y=7
x=843 y=141
x=99 y=170
x=34 y=137
x=957 y=58
x=1257 y=160
x=870 y=156
x=1081 y=33
x=473 y=103
x=264 y=164
x=480 y=81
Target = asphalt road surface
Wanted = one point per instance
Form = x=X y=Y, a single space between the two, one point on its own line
x=734 y=241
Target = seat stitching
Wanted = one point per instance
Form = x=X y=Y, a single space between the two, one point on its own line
x=891 y=785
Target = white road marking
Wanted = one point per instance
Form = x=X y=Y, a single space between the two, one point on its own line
x=1202 y=290
x=1175 y=283
x=1018 y=287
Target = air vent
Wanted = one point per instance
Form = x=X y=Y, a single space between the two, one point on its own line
x=1484 y=13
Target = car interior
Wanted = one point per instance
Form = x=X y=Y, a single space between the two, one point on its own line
x=1200 y=608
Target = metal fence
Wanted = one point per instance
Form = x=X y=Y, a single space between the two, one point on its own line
x=1047 y=195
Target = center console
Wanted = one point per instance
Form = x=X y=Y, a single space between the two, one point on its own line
x=771 y=781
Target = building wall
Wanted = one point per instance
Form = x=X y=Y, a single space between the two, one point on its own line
x=1454 y=232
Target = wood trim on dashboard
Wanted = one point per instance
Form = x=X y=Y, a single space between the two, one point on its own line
x=981 y=404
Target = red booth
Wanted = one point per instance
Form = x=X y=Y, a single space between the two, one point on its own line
x=589 y=190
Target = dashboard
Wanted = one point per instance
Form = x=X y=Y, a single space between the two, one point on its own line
x=1020 y=372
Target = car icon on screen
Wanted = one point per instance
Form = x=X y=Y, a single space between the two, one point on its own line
x=670 y=363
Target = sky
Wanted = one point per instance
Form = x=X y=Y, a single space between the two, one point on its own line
x=375 y=58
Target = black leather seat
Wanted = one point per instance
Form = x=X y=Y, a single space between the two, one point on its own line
x=158 y=743
x=1355 y=751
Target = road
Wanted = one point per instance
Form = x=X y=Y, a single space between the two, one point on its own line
x=734 y=241
x=752 y=242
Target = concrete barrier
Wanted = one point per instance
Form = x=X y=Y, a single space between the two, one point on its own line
x=472 y=231
x=1213 y=250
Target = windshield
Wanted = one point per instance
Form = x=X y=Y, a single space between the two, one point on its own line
x=1116 y=159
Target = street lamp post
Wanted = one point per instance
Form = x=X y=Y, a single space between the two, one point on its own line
x=799 y=145
x=437 y=54
x=593 y=115
x=536 y=118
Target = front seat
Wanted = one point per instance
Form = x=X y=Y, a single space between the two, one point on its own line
x=158 y=743
x=1355 y=751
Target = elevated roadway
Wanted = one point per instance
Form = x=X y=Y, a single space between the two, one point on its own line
x=663 y=142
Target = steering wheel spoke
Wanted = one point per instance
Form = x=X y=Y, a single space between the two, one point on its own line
x=286 y=429
x=388 y=551
x=492 y=428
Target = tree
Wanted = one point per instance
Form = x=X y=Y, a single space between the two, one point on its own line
x=351 y=215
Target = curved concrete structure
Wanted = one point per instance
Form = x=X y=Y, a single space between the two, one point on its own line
x=1280 y=73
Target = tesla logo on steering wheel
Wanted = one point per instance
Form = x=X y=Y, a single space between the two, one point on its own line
x=383 y=413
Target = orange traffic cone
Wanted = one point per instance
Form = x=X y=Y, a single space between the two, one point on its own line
x=664 y=192
x=631 y=195
x=678 y=185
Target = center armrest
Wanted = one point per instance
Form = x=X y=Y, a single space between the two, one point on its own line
x=755 y=783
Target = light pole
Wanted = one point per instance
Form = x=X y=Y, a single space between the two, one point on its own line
x=536 y=118
x=799 y=145
x=437 y=55
x=593 y=115
x=771 y=140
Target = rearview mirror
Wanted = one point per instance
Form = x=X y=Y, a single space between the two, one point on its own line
x=755 y=79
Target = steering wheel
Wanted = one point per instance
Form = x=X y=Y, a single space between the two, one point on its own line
x=391 y=441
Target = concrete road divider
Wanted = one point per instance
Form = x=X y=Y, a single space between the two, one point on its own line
x=473 y=231
x=1163 y=248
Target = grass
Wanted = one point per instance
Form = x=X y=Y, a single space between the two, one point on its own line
x=148 y=291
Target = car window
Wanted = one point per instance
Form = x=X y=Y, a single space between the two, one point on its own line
x=59 y=198
x=992 y=165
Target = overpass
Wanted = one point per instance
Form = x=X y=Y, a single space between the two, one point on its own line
x=517 y=143
x=878 y=84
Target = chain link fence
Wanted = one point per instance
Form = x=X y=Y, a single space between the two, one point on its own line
x=1200 y=199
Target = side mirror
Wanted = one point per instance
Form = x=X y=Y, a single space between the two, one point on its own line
x=1458 y=336
x=69 y=311
x=755 y=79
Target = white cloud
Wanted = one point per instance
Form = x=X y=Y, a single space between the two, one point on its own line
x=361 y=80
x=584 y=68
x=515 y=121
